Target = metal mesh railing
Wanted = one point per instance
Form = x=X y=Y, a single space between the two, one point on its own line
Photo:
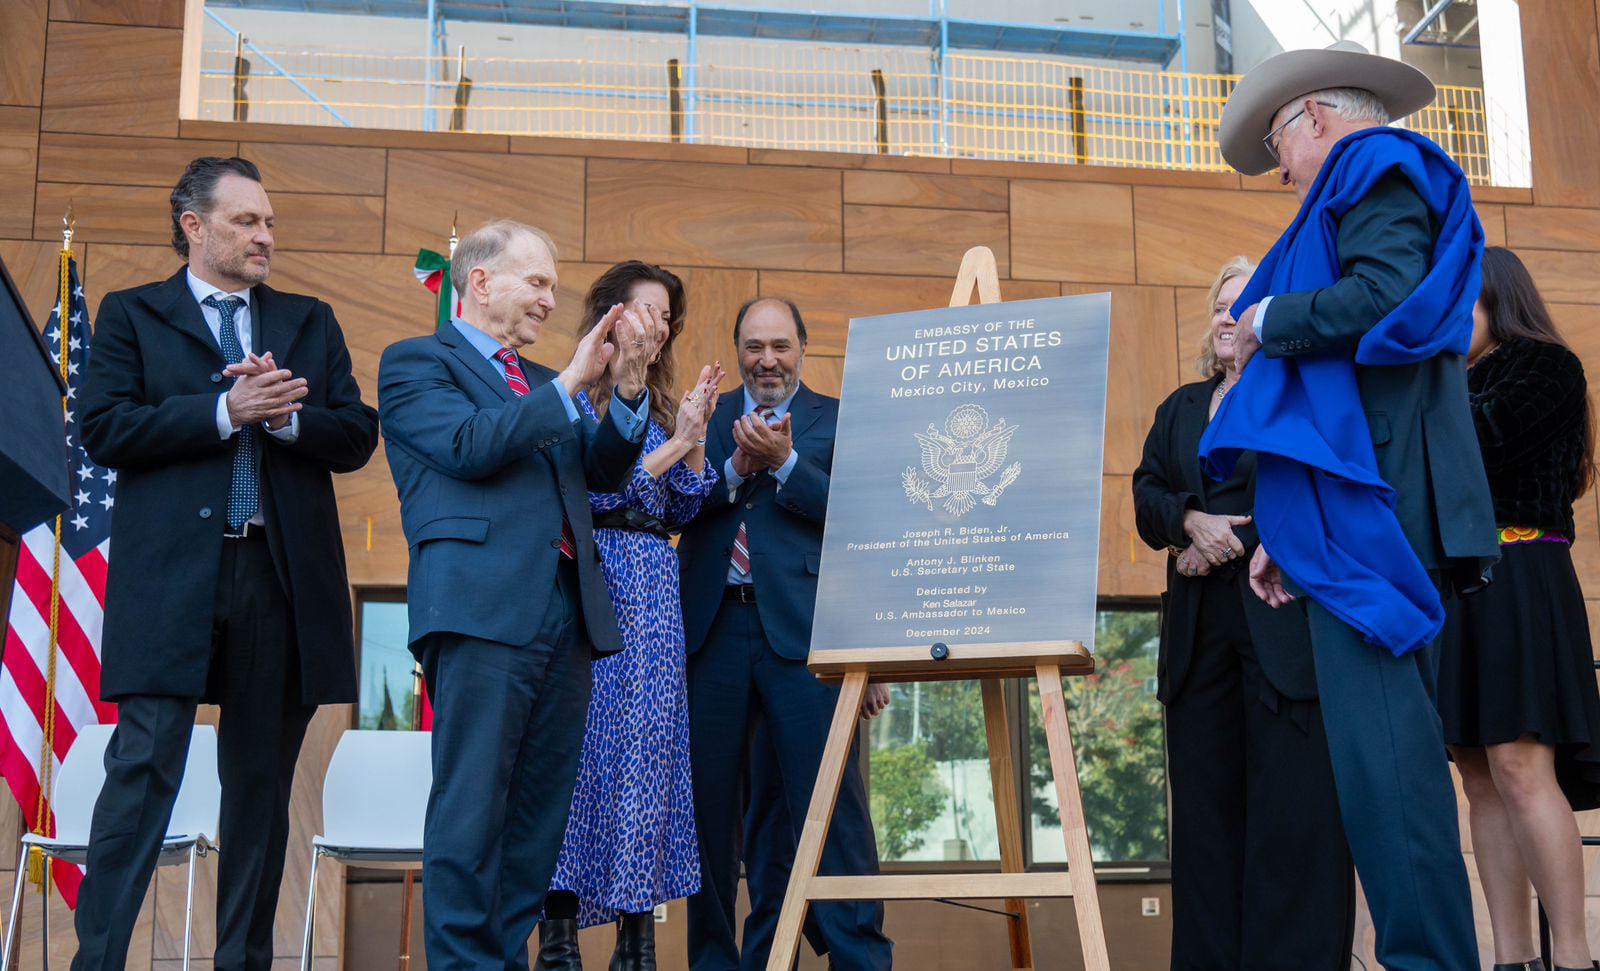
x=778 y=95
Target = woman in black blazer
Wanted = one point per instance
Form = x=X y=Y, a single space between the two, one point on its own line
x=1261 y=876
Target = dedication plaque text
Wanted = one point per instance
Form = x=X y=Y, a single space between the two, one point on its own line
x=964 y=506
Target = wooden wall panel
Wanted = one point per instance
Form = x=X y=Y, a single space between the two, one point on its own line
x=1143 y=367
x=1185 y=235
x=1563 y=71
x=1564 y=277
x=1193 y=322
x=1128 y=568
x=288 y=167
x=105 y=213
x=1101 y=174
x=929 y=191
x=22 y=52
x=427 y=189
x=453 y=141
x=714 y=215
x=1579 y=323
x=112 y=80
x=35 y=269
x=1070 y=231
x=1493 y=218
x=19 y=161
x=121 y=159
x=133 y=13
x=1546 y=227
x=848 y=162
x=829 y=300
x=714 y=298
x=317 y=221
x=901 y=239
x=110 y=267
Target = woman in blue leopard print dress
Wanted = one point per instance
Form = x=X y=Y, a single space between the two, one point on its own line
x=630 y=840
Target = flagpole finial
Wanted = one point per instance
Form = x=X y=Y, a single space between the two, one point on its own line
x=454 y=238
x=69 y=223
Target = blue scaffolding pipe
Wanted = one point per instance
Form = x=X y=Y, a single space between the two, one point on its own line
x=944 y=75
x=427 y=69
x=286 y=75
x=1434 y=13
x=1183 y=68
x=691 y=75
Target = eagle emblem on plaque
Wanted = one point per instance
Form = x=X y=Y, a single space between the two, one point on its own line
x=958 y=461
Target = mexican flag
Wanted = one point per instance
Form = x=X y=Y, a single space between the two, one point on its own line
x=433 y=270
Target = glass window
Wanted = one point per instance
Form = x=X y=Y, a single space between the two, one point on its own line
x=929 y=775
x=1119 y=738
x=928 y=764
x=388 y=684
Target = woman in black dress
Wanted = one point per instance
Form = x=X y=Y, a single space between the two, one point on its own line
x=1516 y=674
x=1261 y=876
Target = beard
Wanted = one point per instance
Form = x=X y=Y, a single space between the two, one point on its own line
x=238 y=266
x=771 y=397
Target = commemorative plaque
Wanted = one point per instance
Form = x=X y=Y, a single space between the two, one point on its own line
x=964 y=505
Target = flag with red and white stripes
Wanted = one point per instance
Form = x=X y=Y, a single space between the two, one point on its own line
x=50 y=682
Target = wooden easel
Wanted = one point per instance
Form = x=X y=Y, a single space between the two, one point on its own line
x=988 y=664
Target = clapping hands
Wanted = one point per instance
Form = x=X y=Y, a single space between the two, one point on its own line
x=694 y=410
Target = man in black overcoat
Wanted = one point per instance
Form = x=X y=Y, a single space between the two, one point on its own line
x=224 y=406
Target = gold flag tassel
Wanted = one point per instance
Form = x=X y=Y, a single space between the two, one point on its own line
x=38 y=872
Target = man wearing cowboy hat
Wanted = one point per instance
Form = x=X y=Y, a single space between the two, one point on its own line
x=1371 y=498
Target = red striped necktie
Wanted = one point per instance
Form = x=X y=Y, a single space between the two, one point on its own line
x=519 y=387
x=741 y=539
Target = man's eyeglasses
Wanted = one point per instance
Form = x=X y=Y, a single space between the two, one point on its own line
x=1271 y=141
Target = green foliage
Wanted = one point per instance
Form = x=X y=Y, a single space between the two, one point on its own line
x=1118 y=733
x=906 y=797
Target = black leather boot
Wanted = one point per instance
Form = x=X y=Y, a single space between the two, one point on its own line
x=636 y=943
x=558 y=945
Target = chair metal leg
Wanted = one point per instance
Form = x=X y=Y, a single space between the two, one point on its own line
x=311 y=910
x=44 y=916
x=188 y=905
x=14 y=927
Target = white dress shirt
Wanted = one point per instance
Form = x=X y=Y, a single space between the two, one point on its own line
x=226 y=429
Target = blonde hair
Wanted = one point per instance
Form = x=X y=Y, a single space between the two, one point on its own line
x=1238 y=266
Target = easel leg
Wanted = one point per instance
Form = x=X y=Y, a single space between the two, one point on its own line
x=1007 y=813
x=825 y=792
x=1080 y=859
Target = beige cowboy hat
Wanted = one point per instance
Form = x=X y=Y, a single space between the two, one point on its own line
x=1247 y=117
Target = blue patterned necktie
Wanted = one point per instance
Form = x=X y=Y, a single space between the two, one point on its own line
x=244 y=489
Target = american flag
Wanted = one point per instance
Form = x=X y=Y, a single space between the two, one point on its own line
x=85 y=547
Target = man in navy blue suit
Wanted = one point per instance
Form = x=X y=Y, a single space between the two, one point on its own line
x=749 y=586
x=494 y=467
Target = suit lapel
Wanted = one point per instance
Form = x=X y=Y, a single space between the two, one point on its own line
x=475 y=362
x=729 y=407
x=271 y=329
x=804 y=411
x=174 y=303
x=1192 y=420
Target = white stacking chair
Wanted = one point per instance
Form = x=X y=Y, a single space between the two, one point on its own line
x=190 y=830
x=374 y=801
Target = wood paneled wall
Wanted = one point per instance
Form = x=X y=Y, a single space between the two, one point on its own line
x=89 y=116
